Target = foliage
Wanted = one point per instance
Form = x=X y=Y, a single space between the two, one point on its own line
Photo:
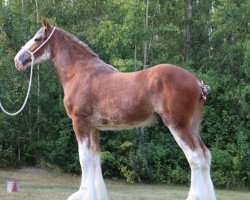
x=218 y=52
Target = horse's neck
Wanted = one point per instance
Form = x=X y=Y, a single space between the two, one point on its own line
x=68 y=59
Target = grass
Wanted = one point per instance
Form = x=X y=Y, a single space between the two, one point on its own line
x=37 y=184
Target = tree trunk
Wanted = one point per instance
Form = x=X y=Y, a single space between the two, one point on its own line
x=22 y=5
x=37 y=12
x=189 y=13
x=18 y=145
x=38 y=80
x=145 y=48
x=135 y=58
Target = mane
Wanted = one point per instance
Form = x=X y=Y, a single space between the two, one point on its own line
x=79 y=42
x=86 y=47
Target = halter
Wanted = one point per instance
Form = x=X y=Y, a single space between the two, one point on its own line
x=31 y=75
x=32 y=53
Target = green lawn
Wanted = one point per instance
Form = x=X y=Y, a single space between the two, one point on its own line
x=42 y=185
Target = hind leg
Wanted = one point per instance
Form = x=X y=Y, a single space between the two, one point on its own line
x=199 y=159
x=177 y=99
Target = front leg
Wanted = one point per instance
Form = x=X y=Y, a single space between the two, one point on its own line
x=87 y=190
x=92 y=183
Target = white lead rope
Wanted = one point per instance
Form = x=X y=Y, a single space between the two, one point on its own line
x=27 y=95
x=31 y=76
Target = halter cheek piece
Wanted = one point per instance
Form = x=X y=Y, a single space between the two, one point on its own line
x=32 y=53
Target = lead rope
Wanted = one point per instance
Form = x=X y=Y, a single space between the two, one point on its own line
x=28 y=92
x=31 y=76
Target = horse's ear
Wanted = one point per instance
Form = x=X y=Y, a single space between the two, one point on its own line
x=46 y=24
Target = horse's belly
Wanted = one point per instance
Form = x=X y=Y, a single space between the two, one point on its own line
x=110 y=125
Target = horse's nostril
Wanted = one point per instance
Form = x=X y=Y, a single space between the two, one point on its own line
x=18 y=64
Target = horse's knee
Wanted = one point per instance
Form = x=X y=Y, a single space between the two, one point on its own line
x=200 y=159
x=195 y=160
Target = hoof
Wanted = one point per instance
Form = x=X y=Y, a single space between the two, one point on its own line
x=196 y=197
x=82 y=195
x=76 y=196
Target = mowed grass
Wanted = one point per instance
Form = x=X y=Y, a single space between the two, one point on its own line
x=37 y=184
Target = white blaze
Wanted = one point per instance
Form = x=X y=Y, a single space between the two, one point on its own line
x=26 y=49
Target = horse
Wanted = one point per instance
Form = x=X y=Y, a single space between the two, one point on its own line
x=98 y=97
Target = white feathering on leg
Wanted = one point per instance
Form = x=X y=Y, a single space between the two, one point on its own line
x=201 y=184
x=87 y=189
x=99 y=182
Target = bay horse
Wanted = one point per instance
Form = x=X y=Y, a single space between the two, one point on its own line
x=99 y=97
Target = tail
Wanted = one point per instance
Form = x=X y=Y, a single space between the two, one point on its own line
x=197 y=118
x=205 y=90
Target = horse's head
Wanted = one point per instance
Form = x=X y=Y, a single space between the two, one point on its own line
x=38 y=47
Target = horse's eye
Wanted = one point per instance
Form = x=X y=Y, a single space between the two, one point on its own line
x=38 y=39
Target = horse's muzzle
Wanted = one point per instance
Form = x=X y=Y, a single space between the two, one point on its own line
x=21 y=61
